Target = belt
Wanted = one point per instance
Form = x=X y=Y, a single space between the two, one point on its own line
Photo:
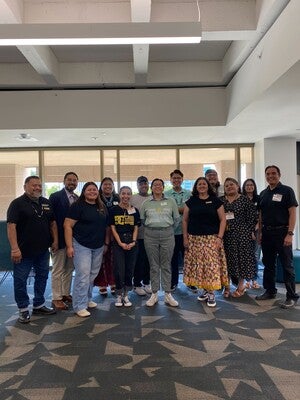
x=274 y=228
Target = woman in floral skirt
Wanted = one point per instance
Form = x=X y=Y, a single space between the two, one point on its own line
x=203 y=226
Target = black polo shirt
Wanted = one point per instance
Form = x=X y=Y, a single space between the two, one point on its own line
x=33 y=220
x=274 y=205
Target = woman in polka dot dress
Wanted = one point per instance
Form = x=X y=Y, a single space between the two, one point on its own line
x=241 y=218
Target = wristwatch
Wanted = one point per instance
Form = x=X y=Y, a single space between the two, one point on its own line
x=290 y=233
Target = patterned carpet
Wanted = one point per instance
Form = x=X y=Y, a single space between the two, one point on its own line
x=240 y=350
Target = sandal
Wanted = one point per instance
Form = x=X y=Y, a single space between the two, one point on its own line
x=255 y=285
x=226 y=293
x=247 y=286
x=238 y=292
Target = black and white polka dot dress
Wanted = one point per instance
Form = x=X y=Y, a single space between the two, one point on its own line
x=241 y=217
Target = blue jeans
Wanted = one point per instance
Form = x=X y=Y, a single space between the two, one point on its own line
x=87 y=264
x=40 y=263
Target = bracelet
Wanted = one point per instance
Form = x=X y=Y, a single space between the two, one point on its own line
x=15 y=251
x=219 y=237
x=106 y=244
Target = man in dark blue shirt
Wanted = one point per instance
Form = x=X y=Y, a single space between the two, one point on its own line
x=31 y=230
x=277 y=219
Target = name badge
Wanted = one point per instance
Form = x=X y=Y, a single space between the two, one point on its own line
x=229 y=215
x=45 y=207
x=277 y=197
x=163 y=203
x=131 y=210
x=208 y=202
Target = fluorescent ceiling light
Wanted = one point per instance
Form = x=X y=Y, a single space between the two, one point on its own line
x=100 y=34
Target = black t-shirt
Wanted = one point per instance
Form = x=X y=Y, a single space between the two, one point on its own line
x=274 y=205
x=33 y=220
x=89 y=230
x=124 y=220
x=203 y=215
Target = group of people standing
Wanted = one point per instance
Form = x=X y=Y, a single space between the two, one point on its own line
x=126 y=241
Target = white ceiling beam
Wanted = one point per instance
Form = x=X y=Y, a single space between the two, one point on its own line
x=11 y=11
x=267 y=12
x=44 y=62
x=40 y=58
x=116 y=74
x=140 y=12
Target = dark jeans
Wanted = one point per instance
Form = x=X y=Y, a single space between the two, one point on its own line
x=272 y=245
x=179 y=248
x=40 y=263
x=123 y=266
x=142 y=267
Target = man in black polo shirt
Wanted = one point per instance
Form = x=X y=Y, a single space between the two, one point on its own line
x=278 y=218
x=31 y=230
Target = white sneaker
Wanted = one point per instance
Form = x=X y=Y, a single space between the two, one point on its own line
x=119 y=301
x=92 y=304
x=147 y=289
x=83 y=313
x=153 y=300
x=140 y=291
x=126 y=302
x=169 y=299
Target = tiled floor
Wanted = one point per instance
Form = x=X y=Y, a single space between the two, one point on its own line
x=240 y=350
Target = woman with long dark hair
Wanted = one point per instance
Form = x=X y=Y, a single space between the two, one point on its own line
x=249 y=189
x=241 y=217
x=203 y=228
x=106 y=277
x=85 y=235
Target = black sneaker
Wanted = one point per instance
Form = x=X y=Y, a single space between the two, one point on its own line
x=43 y=311
x=211 y=300
x=203 y=296
x=193 y=288
x=266 y=296
x=289 y=303
x=24 y=317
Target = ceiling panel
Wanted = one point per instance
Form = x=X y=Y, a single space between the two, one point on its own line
x=93 y=53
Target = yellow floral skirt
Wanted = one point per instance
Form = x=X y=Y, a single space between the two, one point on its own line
x=205 y=263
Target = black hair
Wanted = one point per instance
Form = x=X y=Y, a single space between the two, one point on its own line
x=273 y=166
x=107 y=178
x=29 y=178
x=176 y=171
x=234 y=181
x=210 y=190
x=157 y=179
x=99 y=202
x=125 y=187
x=244 y=187
x=70 y=173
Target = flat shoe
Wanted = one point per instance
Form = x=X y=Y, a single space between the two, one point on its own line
x=226 y=293
x=92 y=304
x=255 y=285
x=238 y=293
x=83 y=313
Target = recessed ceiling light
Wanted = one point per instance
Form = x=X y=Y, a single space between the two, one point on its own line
x=26 y=137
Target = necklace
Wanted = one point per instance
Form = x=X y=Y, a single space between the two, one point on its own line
x=36 y=211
